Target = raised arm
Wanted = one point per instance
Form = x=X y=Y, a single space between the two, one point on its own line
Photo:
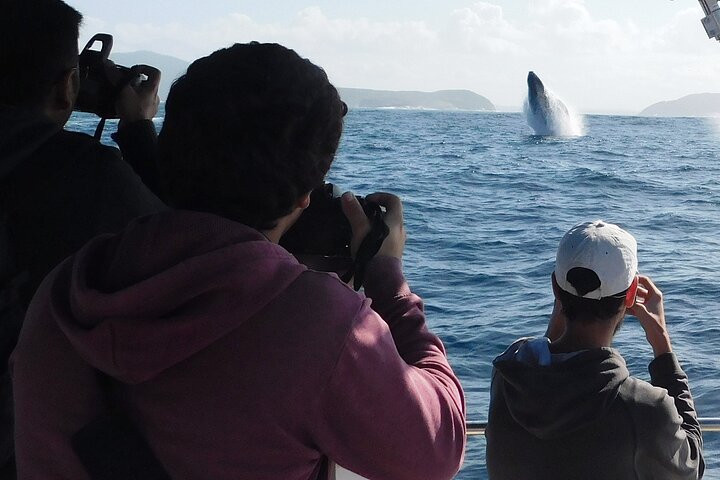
x=676 y=452
x=393 y=407
x=136 y=136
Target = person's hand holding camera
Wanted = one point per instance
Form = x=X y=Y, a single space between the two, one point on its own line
x=139 y=100
x=394 y=243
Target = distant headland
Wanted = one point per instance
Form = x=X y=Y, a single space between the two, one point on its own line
x=172 y=68
x=695 y=105
x=440 y=100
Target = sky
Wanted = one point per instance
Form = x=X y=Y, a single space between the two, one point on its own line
x=599 y=56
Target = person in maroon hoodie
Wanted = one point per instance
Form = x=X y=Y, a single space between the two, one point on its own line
x=227 y=356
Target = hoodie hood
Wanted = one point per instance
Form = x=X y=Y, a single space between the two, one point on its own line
x=551 y=395
x=22 y=134
x=168 y=286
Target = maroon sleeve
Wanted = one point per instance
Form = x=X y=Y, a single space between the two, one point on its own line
x=393 y=408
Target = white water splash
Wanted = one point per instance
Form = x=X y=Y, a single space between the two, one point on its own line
x=562 y=121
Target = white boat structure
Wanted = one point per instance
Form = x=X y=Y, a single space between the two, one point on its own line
x=711 y=21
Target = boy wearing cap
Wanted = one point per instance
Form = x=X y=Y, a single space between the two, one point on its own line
x=564 y=406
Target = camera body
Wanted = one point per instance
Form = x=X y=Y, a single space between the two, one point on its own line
x=101 y=79
x=323 y=229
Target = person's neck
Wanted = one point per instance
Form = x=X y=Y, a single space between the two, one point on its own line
x=585 y=336
x=58 y=117
x=282 y=225
x=273 y=234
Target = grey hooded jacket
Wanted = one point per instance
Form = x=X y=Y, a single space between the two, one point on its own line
x=582 y=416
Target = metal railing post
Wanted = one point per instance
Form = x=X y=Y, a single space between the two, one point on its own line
x=707 y=425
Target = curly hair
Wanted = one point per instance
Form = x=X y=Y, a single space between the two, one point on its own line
x=248 y=130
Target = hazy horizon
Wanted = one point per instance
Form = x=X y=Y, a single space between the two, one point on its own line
x=597 y=55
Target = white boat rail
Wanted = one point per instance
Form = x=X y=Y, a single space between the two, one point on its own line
x=706 y=425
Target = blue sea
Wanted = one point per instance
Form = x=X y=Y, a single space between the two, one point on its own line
x=486 y=203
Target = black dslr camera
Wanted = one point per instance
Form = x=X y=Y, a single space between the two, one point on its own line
x=321 y=236
x=101 y=79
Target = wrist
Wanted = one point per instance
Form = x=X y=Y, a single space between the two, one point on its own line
x=393 y=245
x=660 y=344
x=131 y=118
x=390 y=252
x=125 y=123
x=383 y=277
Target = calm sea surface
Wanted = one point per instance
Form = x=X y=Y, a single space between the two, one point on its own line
x=486 y=203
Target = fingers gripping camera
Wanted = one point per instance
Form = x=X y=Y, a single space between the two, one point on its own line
x=101 y=80
x=322 y=235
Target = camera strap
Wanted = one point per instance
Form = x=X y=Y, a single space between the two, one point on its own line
x=100 y=128
x=367 y=250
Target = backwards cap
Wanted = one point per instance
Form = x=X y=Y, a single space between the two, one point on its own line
x=606 y=249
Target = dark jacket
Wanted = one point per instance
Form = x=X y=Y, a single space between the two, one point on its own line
x=581 y=415
x=58 y=189
x=234 y=360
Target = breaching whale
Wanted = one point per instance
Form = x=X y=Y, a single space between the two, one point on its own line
x=546 y=113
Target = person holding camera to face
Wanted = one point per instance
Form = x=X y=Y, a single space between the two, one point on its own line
x=564 y=406
x=230 y=358
x=57 y=189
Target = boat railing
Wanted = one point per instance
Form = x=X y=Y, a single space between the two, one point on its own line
x=706 y=425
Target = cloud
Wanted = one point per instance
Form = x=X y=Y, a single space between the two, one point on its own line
x=310 y=30
x=354 y=51
x=482 y=27
x=591 y=61
x=568 y=26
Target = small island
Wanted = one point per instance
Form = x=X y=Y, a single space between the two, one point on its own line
x=440 y=100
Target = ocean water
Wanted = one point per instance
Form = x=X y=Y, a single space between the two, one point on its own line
x=486 y=203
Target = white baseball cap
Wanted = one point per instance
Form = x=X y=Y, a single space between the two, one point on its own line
x=606 y=249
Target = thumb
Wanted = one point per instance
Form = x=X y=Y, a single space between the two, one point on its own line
x=354 y=213
x=153 y=74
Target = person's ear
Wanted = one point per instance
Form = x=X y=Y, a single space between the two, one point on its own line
x=631 y=293
x=62 y=96
x=66 y=90
x=304 y=201
x=555 y=287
